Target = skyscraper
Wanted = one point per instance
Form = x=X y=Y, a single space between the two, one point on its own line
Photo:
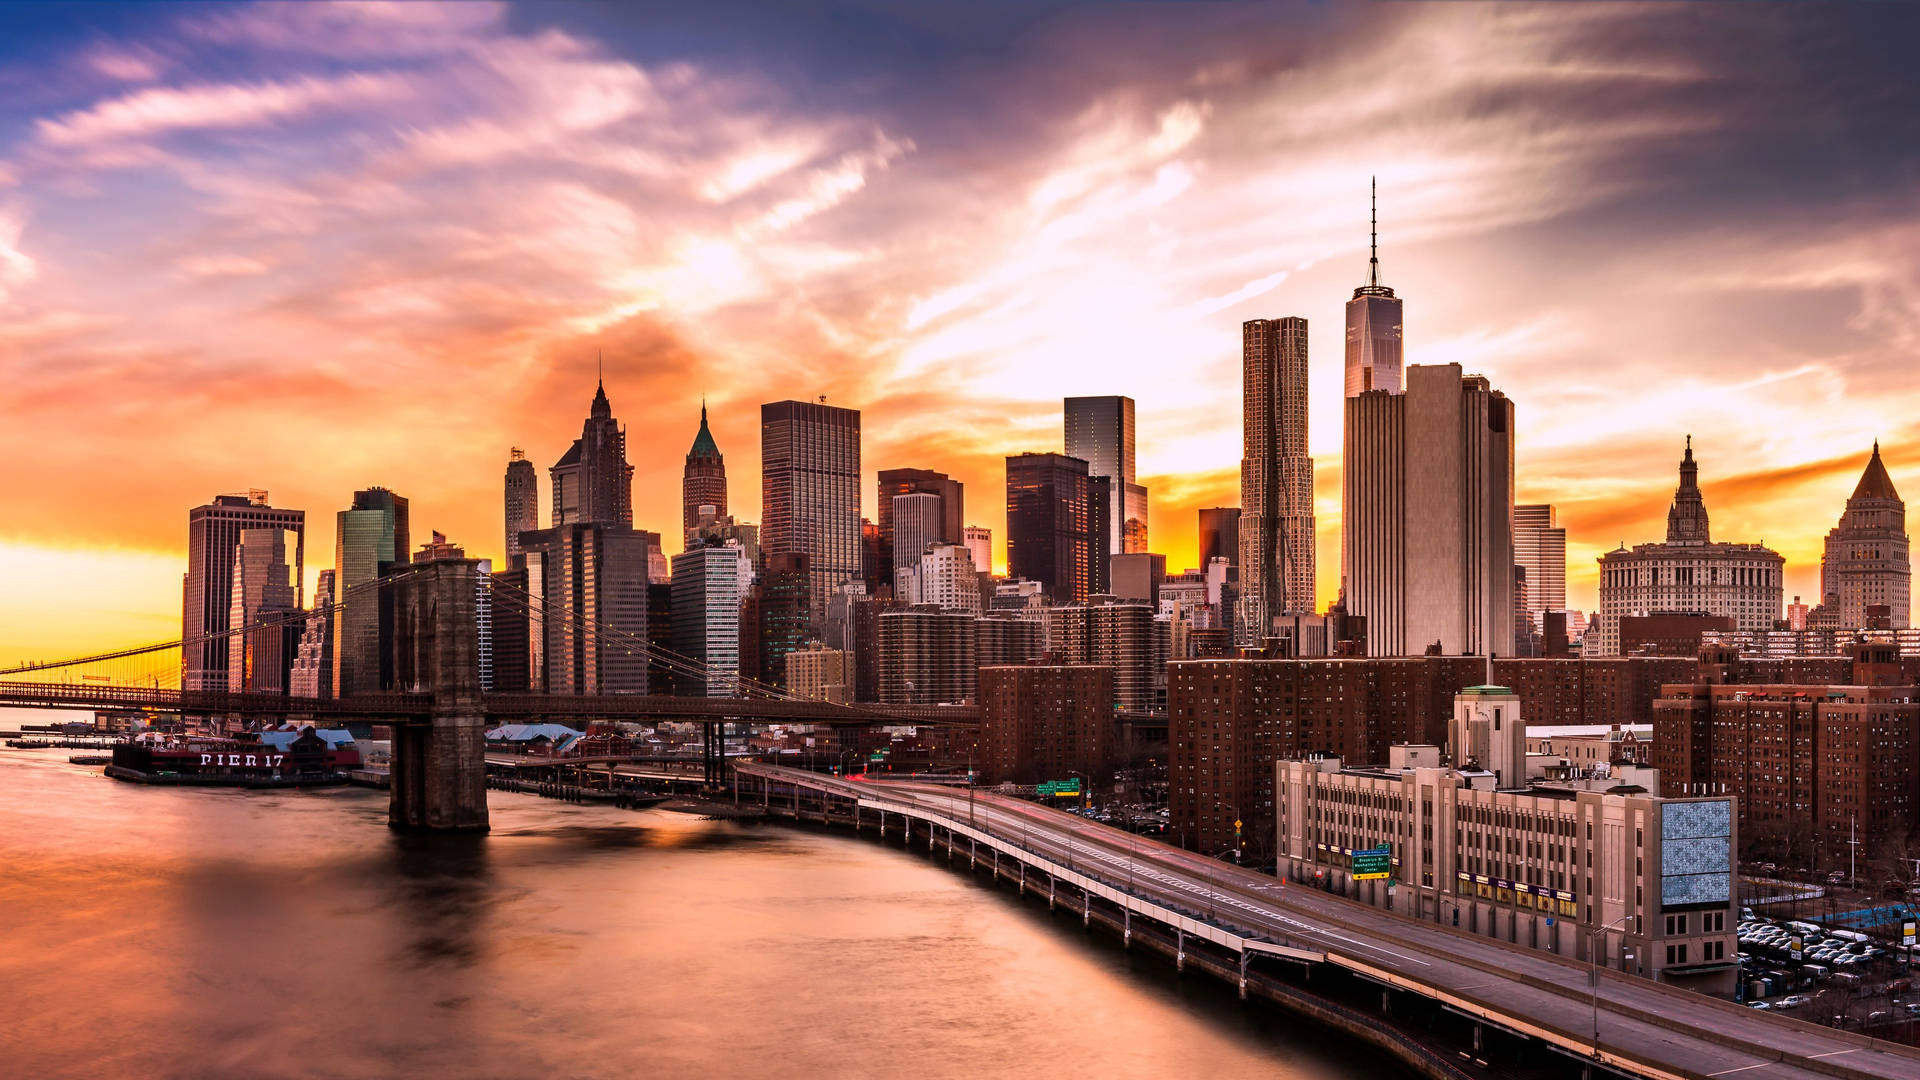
x=260 y=656
x=213 y=532
x=704 y=483
x=1866 y=562
x=592 y=480
x=312 y=672
x=1276 y=478
x=810 y=491
x=522 y=500
x=708 y=584
x=1219 y=535
x=1099 y=431
x=948 y=527
x=1056 y=534
x=593 y=578
x=1373 y=331
x=1540 y=545
x=1427 y=534
x=370 y=539
x=917 y=522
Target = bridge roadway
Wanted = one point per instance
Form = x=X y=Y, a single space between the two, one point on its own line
x=1644 y=1028
x=404 y=707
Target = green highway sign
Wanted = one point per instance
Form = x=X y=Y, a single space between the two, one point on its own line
x=1373 y=864
x=1059 y=788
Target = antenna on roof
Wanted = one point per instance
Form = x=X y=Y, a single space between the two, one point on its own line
x=1373 y=205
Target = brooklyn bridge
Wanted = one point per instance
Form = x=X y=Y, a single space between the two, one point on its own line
x=438 y=709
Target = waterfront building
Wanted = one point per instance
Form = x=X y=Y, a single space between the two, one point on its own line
x=1687 y=573
x=592 y=481
x=1099 y=431
x=1275 y=528
x=810 y=492
x=1046 y=722
x=1055 y=536
x=1599 y=869
x=522 y=501
x=213 y=532
x=1866 y=565
x=979 y=542
x=703 y=484
x=370 y=541
x=592 y=579
x=708 y=585
x=1427 y=534
x=1374 y=344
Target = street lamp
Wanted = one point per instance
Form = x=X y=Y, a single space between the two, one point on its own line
x=1086 y=791
x=1593 y=974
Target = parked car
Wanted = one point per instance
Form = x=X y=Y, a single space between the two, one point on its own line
x=1792 y=1001
x=1758 y=1005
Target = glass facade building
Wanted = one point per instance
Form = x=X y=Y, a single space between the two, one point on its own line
x=810 y=492
x=370 y=540
x=213 y=532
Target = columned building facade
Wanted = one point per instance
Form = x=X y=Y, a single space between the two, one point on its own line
x=1688 y=574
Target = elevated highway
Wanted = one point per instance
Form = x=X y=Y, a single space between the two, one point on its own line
x=1627 y=1024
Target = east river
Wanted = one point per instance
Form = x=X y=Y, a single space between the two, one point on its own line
x=203 y=933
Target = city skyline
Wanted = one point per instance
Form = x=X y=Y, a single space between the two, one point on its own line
x=429 y=364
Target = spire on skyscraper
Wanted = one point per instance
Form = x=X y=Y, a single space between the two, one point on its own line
x=1373 y=208
x=1687 y=517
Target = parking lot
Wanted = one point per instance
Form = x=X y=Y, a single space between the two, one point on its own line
x=1828 y=975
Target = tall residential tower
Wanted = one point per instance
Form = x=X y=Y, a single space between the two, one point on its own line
x=1276 y=534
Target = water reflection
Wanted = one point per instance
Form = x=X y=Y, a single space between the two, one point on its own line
x=154 y=932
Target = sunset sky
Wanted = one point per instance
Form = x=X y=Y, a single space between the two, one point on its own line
x=314 y=248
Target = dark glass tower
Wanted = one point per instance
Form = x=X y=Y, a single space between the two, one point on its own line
x=369 y=541
x=1056 y=531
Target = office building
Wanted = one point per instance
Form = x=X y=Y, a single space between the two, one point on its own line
x=979 y=542
x=213 y=532
x=1427 y=537
x=1275 y=527
x=917 y=523
x=1540 y=545
x=710 y=528
x=810 y=492
x=1099 y=431
x=262 y=611
x=708 y=586
x=1866 y=565
x=522 y=501
x=942 y=521
x=1054 y=532
x=312 y=672
x=775 y=619
x=370 y=541
x=1689 y=573
x=1138 y=577
x=592 y=482
x=1220 y=534
x=591 y=581
x=703 y=484
x=1046 y=722
x=1373 y=331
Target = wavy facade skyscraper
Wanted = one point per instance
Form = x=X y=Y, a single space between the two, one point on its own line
x=1276 y=478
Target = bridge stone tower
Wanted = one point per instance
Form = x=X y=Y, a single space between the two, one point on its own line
x=439 y=761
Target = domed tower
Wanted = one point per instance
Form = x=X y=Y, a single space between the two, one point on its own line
x=705 y=481
x=1687 y=517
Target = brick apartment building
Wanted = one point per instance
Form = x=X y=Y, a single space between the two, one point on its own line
x=1812 y=764
x=1044 y=721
